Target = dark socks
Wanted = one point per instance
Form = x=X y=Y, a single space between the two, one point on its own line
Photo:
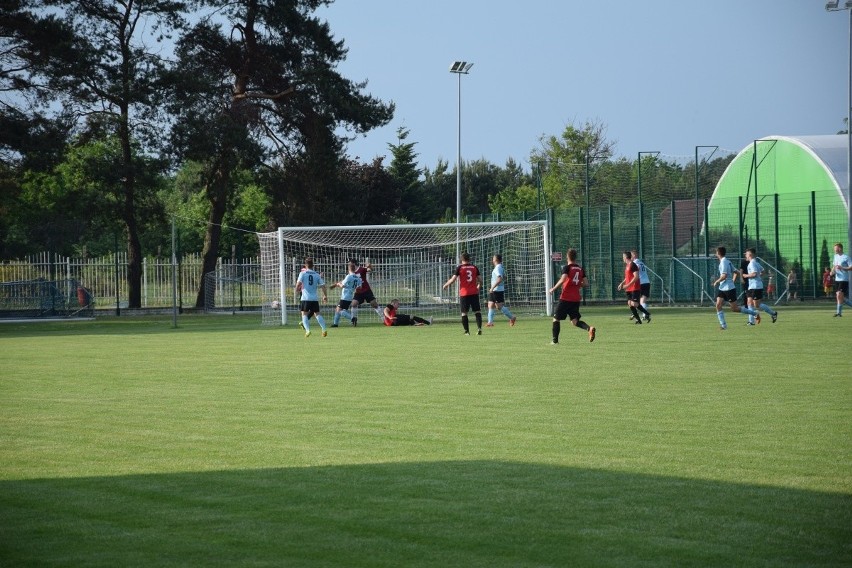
x=556 y=328
x=465 y=324
x=635 y=314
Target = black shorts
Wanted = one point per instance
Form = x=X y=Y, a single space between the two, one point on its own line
x=403 y=319
x=569 y=310
x=365 y=297
x=470 y=303
x=309 y=306
x=755 y=293
x=841 y=286
x=634 y=295
x=727 y=295
x=344 y=304
x=645 y=290
x=497 y=297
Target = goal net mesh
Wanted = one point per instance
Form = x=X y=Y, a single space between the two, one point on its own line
x=408 y=262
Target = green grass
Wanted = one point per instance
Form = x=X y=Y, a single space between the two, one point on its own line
x=124 y=442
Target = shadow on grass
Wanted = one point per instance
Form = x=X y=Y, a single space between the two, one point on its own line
x=476 y=513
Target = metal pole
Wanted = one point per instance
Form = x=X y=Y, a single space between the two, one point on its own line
x=639 y=160
x=458 y=174
x=174 y=276
x=756 y=211
x=849 y=142
x=117 y=297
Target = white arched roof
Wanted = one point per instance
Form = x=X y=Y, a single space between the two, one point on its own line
x=831 y=151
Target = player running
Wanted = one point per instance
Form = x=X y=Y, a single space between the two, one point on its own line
x=840 y=269
x=644 y=284
x=347 y=286
x=573 y=278
x=755 y=285
x=364 y=294
x=470 y=281
x=308 y=283
x=497 y=291
x=727 y=291
x=633 y=288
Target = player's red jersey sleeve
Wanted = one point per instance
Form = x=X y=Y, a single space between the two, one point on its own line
x=468 y=276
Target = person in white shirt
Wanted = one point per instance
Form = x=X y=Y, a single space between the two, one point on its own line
x=755 y=285
x=308 y=283
x=841 y=268
x=347 y=286
x=497 y=292
x=727 y=291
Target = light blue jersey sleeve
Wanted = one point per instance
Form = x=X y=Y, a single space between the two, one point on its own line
x=726 y=268
x=498 y=272
x=310 y=282
x=755 y=282
x=841 y=260
x=351 y=282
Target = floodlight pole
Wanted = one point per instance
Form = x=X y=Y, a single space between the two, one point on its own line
x=459 y=68
x=834 y=6
x=641 y=213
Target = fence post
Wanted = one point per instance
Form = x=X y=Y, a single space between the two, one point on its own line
x=741 y=223
x=706 y=227
x=674 y=247
x=144 y=281
x=611 y=253
x=814 y=268
x=777 y=237
x=117 y=297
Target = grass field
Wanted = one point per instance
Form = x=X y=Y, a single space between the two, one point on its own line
x=124 y=442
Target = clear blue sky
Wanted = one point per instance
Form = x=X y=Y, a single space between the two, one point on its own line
x=661 y=75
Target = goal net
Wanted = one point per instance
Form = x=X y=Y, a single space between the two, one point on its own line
x=410 y=263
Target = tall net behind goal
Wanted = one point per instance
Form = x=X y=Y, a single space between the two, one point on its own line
x=409 y=262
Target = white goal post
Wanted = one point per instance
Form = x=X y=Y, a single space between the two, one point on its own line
x=409 y=263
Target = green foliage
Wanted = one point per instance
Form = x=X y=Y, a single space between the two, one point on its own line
x=415 y=204
x=824 y=259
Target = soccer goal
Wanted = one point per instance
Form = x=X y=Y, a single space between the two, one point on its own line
x=410 y=263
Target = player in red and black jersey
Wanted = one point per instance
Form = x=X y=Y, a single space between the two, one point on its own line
x=632 y=287
x=470 y=281
x=572 y=280
x=363 y=293
x=392 y=316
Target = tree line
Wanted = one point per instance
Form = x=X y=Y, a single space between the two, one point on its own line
x=117 y=116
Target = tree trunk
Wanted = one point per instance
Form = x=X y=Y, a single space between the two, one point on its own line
x=217 y=192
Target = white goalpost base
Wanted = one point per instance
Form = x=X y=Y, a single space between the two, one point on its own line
x=409 y=263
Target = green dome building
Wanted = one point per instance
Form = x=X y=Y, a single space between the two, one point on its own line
x=784 y=195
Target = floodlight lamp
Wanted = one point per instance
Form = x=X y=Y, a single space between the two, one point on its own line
x=832 y=4
x=461 y=67
x=849 y=4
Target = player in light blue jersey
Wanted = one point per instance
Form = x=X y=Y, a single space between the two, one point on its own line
x=308 y=283
x=754 y=273
x=644 y=286
x=727 y=291
x=840 y=269
x=497 y=292
x=347 y=294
